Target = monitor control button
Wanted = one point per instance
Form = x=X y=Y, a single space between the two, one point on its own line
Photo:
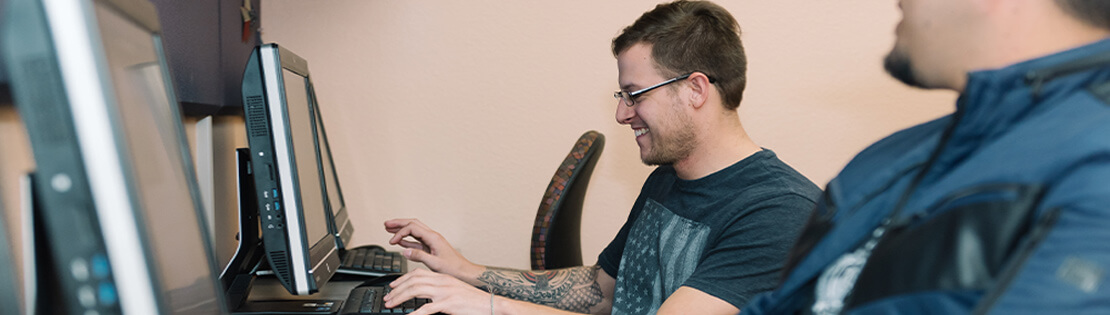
x=87 y=296
x=108 y=295
x=80 y=269
x=61 y=183
x=100 y=268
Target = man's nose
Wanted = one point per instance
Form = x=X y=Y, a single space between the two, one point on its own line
x=624 y=113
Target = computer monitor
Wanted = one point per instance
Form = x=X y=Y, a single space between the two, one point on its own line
x=281 y=133
x=114 y=185
x=358 y=261
x=339 y=223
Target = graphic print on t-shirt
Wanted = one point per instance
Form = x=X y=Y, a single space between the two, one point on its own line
x=662 y=250
x=837 y=281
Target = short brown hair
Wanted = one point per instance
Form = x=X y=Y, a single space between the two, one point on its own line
x=1092 y=12
x=691 y=36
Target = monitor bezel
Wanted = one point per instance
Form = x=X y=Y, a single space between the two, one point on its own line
x=313 y=262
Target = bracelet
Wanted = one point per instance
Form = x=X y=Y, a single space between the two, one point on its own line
x=491 y=295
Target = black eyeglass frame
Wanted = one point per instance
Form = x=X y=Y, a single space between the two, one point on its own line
x=629 y=98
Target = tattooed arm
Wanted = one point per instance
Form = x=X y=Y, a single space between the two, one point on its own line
x=585 y=289
x=452 y=280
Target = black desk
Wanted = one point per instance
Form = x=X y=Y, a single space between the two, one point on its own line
x=268 y=295
x=269 y=288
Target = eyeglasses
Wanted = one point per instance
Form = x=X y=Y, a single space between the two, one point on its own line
x=629 y=98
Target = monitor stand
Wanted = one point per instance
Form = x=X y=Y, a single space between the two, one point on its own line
x=239 y=275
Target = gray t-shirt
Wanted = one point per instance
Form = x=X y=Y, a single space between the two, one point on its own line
x=726 y=234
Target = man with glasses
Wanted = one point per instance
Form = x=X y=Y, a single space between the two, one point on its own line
x=1002 y=207
x=712 y=224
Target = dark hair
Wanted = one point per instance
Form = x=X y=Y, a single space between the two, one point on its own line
x=1092 y=12
x=689 y=36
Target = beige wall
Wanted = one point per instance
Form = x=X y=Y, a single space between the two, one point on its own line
x=458 y=112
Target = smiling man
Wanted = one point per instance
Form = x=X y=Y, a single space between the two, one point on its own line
x=1002 y=207
x=712 y=224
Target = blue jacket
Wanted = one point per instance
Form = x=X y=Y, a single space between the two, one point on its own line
x=1004 y=205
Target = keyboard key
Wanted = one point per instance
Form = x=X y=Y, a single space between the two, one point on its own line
x=359 y=259
x=349 y=260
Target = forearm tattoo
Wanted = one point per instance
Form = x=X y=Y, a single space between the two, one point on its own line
x=572 y=289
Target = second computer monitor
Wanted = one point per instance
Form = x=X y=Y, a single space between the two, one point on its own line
x=338 y=222
x=282 y=136
x=115 y=193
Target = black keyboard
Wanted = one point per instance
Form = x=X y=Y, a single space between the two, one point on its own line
x=372 y=261
x=368 y=300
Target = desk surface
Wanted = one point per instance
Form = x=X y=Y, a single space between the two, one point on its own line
x=268 y=296
x=269 y=288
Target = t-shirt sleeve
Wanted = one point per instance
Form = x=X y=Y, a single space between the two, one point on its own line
x=748 y=257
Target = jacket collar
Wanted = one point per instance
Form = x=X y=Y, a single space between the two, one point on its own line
x=994 y=100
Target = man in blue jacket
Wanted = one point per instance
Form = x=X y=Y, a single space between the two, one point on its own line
x=1001 y=207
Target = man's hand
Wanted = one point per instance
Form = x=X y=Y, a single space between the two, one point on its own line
x=448 y=294
x=431 y=249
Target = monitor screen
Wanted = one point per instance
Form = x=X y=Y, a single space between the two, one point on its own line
x=303 y=137
x=165 y=182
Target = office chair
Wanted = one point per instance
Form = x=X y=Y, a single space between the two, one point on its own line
x=556 y=235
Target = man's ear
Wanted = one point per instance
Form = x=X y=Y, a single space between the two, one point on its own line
x=699 y=89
